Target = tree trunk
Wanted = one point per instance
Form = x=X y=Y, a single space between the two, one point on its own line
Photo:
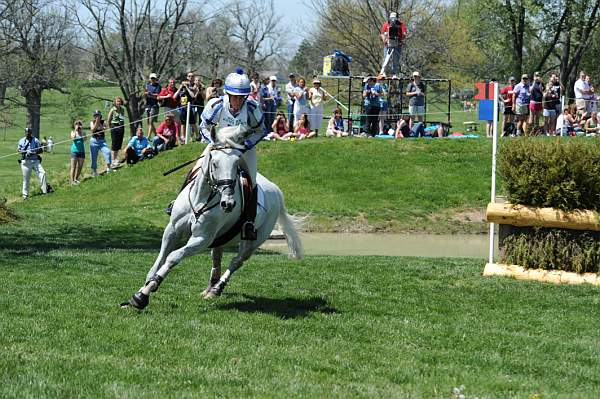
x=3 y=87
x=33 y=102
x=135 y=112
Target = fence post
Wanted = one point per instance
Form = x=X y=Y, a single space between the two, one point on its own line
x=187 y=123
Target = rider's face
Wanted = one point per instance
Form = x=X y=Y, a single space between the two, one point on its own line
x=236 y=102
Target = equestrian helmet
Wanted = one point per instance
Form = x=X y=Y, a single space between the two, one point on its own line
x=237 y=83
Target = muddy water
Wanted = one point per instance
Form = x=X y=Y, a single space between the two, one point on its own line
x=426 y=245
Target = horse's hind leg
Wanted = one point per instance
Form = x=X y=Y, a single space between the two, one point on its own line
x=215 y=273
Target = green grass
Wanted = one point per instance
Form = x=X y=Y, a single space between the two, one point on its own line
x=324 y=327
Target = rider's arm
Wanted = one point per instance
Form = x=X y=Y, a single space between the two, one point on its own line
x=210 y=116
x=257 y=126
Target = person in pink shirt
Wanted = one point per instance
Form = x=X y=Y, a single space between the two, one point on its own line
x=167 y=134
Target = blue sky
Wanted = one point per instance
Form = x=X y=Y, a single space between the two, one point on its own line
x=297 y=19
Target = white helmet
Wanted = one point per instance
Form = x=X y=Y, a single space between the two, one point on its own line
x=237 y=83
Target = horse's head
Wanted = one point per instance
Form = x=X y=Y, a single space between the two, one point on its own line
x=224 y=172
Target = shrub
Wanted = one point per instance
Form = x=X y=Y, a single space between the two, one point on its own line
x=560 y=173
x=553 y=249
x=6 y=215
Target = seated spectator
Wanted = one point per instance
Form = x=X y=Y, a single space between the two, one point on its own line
x=403 y=127
x=280 y=127
x=565 y=124
x=302 y=129
x=138 y=148
x=167 y=134
x=335 y=127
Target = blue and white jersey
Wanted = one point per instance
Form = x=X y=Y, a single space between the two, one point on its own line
x=29 y=147
x=218 y=112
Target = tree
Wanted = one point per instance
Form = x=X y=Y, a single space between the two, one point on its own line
x=256 y=27
x=134 y=38
x=39 y=35
x=308 y=58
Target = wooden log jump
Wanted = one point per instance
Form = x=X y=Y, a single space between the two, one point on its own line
x=528 y=216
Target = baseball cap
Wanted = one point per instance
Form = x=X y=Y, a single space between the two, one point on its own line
x=536 y=74
x=153 y=76
x=28 y=130
x=316 y=81
x=524 y=76
x=393 y=15
x=416 y=73
x=291 y=75
x=512 y=78
x=273 y=77
x=97 y=113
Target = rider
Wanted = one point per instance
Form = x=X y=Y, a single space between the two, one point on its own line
x=234 y=109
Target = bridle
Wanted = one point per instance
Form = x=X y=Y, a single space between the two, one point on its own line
x=217 y=186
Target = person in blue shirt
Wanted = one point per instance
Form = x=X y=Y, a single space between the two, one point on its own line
x=371 y=94
x=30 y=147
x=138 y=148
x=152 y=90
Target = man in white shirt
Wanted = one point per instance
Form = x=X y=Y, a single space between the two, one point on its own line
x=289 y=88
x=582 y=92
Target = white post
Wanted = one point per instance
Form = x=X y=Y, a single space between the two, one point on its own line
x=494 y=149
x=187 y=123
x=562 y=121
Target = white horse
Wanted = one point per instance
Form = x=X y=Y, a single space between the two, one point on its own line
x=205 y=210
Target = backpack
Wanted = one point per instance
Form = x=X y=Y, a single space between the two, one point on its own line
x=340 y=67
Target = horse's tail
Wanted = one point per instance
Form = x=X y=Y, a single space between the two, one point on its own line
x=296 y=251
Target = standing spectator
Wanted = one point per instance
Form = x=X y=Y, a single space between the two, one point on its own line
x=167 y=99
x=30 y=147
x=271 y=100
x=138 y=148
x=371 y=94
x=77 y=153
x=186 y=94
x=316 y=96
x=335 y=127
x=392 y=35
x=198 y=102
x=591 y=98
x=215 y=90
x=291 y=99
x=521 y=98
x=383 y=103
x=537 y=90
x=506 y=94
x=152 y=90
x=167 y=134
x=301 y=94
x=98 y=143
x=550 y=97
x=415 y=90
x=582 y=92
x=279 y=126
x=255 y=88
x=557 y=88
x=116 y=120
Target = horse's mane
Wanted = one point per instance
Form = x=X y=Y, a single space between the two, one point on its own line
x=231 y=135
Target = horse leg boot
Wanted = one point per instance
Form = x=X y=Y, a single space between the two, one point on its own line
x=248 y=229
x=215 y=273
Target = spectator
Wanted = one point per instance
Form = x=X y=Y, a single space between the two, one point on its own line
x=198 y=103
x=316 y=96
x=186 y=94
x=521 y=98
x=30 y=147
x=591 y=98
x=152 y=90
x=215 y=90
x=255 y=87
x=557 y=88
x=550 y=97
x=271 y=101
x=537 y=90
x=371 y=94
x=302 y=130
x=98 y=143
x=289 y=89
x=415 y=90
x=301 y=104
x=167 y=134
x=77 y=153
x=50 y=144
x=335 y=127
x=392 y=35
x=403 y=127
x=280 y=127
x=506 y=94
x=567 y=121
x=383 y=103
x=167 y=99
x=116 y=120
x=591 y=125
x=138 y=148
x=582 y=92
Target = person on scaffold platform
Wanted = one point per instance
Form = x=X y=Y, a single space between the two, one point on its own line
x=393 y=33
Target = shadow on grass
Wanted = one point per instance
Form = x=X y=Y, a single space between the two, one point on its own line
x=284 y=308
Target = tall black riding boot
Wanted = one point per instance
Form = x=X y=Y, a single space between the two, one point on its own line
x=248 y=229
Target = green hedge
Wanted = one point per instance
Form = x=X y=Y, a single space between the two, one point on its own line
x=553 y=249
x=561 y=173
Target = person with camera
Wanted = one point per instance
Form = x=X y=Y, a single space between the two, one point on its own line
x=30 y=149
x=116 y=121
x=151 y=90
x=186 y=94
x=77 y=153
x=371 y=94
x=392 y=34
x=166 y=99
x=98 y=143
x=415 y=91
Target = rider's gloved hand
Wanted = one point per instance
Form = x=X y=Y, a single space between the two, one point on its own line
x=248 y=144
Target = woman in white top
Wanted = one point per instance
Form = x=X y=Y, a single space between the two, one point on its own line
x=301 y=104
x=316 y=95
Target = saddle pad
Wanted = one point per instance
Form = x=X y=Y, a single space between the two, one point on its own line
x=261 y=200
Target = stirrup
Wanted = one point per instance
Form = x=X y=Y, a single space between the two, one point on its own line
x=169 y=208
x=249 y=231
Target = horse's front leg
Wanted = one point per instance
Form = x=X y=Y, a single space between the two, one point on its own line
x=246 y=249
x=215 y=273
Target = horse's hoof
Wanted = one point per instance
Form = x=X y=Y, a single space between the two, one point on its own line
x=211 y=283
x=209 y=295
x=139 y=300
x=216 y=290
